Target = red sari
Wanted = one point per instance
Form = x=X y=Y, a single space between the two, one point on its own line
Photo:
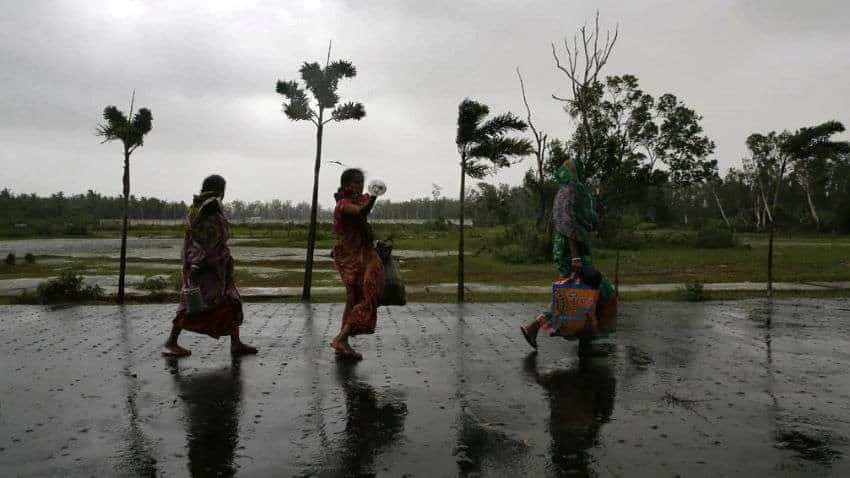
x=359 y=267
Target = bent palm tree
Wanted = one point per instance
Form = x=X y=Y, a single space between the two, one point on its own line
x=483 y=140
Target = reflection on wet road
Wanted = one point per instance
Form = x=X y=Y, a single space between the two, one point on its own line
x=581 y=399
x=212 y=401
x=719 y=389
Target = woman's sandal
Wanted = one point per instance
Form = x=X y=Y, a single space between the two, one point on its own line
x=345 y=353
x=175 y=351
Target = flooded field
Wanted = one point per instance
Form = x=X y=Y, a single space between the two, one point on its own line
x=168 y=249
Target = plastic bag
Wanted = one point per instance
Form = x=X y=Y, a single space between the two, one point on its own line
x=393 y=292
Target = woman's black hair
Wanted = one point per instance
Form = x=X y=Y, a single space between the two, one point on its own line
x=214 y=183
x=348 y=176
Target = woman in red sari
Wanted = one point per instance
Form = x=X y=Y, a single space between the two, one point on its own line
x=357 y=262
x=208 y=269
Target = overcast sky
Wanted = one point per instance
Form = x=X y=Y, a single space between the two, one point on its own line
x=207 y=69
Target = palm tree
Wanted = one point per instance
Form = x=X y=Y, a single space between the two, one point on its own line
x=132 y=134
x=483 y=140
x=322 y=83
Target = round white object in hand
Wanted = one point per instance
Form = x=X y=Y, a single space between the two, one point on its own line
x=377 y=188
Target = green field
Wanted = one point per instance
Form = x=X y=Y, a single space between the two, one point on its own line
x=797 y=259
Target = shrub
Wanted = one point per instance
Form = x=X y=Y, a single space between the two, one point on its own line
x=676 y=238
x=523 y=244
x=176 y=281
x=10 y=259
x=29 y=258
x=76 y=230
x=440 y=224
x=627 y=240
x=156 y=283
x=694 y=292
x=715 y=235
x=513 y=254
x=68 y=287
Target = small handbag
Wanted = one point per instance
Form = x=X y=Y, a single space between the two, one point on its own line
x=194 y=300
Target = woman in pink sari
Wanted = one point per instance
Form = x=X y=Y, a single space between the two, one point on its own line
x=208 y=270
x=357 y=262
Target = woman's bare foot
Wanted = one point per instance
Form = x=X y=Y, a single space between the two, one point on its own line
x=240 y=348
x=174 y=350
x=343 y=350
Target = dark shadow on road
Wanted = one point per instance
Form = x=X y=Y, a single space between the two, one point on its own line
x=213 y=402
x=581 y=400
x=138 y=454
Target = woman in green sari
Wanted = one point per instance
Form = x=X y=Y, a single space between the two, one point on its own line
x=575 y=220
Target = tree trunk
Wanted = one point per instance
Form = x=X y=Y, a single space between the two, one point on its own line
x=766 y=207
x=122 y=264
x=460 y=284
x=541 y=220
x=770 y=261
x=756 y=212
x=617 y=274
x=772 y=216
x=720 y=206
x=812 y=209
x=311 y=235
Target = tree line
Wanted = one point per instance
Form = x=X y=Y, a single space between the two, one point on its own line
x=88 y=209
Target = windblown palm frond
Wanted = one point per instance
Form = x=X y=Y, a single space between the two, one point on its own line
x=499 y=150
x=298 y=106
x=348 y=111
x=340 y=69
x=319 y=82
x=470 y=113
x=288 y=88
x=115 y=125
x=312 y=75
x=501 y=124
x=477 y=170
x=141 y=125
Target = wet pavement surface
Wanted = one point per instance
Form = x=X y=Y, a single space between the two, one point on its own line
x=721 y=389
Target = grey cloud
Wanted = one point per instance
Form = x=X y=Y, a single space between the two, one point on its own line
x=207 y=70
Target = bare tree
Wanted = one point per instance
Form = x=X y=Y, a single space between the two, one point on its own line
x=585 y=59
x=539 y=151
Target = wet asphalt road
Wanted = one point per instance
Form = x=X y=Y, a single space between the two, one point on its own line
x=720 y=389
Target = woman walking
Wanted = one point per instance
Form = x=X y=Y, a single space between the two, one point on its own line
x=357 y=262
x=210 y=303
x=575 y=219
